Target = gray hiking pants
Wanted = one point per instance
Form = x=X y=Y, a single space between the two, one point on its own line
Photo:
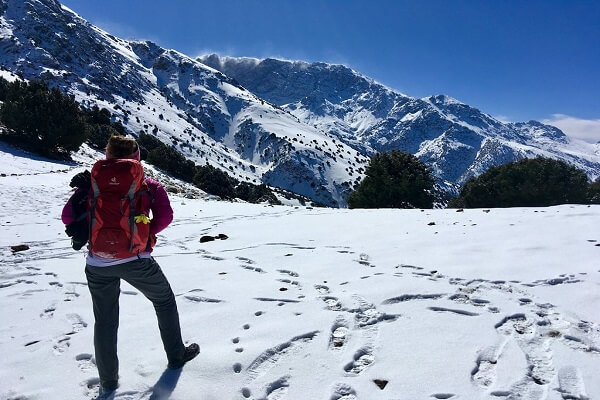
x=104 y=283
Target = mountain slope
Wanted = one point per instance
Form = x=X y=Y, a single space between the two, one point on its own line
x=457 y=141
x=205 y=114
x=308 y=128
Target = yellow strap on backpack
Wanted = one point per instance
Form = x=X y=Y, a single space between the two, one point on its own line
x=143 y=218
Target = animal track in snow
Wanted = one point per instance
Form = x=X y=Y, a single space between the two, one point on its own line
x=237 y=368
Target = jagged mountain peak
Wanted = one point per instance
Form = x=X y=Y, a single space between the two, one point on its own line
x=306 y=127
x=457 y=140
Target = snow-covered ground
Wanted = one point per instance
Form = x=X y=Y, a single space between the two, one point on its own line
x=302 y=303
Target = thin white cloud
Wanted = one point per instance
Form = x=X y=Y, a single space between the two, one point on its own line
x=122 y=31
x=503 y=118
x=583 y=129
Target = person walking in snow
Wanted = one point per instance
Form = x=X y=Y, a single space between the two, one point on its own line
x=120 y=237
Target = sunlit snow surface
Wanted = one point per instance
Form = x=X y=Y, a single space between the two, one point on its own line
x=306 y=303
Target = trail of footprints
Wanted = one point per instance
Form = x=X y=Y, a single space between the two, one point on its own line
x=535 y=331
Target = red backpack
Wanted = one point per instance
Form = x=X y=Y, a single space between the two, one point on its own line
x=115 y=200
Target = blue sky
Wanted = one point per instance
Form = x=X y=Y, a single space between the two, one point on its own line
x=517 y=60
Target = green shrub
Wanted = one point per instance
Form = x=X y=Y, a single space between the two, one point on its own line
x=100 y=127
x=594 y=192
x=42 y=120
x=255 y=193
x=214 y=181
x=537 y=182
x=394 y=180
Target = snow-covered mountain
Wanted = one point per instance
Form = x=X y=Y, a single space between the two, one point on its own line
x=457 y=141
x=308 y=128
x=208 y=116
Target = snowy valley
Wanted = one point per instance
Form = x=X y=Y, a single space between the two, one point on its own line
x=310 y=303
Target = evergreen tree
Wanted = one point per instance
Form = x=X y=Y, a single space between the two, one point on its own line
x=214 y=181
x=42 y=120
x=594 y=192
x=394 y=180
x=537 y=182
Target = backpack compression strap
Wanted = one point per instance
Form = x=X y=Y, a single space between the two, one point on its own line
x=96 y=192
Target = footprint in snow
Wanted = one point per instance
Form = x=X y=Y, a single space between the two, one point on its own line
x=571 y=384
x=342 y=391
x=288 y=272
x=443 y=395
x=278 y=389
x=452 y=310
x=77 y=322
x=48 y=312
x=340 y=333
x=61 y=345
x=322 y=289
x=363 y=358
x=85 y=362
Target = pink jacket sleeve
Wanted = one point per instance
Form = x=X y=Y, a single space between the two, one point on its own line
x=162 y=213
x=67 y=215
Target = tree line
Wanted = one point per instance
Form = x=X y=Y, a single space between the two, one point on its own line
x=50 y=123
x=400 y=180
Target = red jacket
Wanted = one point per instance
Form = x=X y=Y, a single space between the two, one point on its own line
x=158 y=203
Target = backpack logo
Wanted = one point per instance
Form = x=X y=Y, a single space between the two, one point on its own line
x=113 y=181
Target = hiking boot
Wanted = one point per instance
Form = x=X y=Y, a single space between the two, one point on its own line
x=108 y=386
x=190 y=352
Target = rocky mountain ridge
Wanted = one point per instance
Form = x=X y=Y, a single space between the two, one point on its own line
x=307 y=128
